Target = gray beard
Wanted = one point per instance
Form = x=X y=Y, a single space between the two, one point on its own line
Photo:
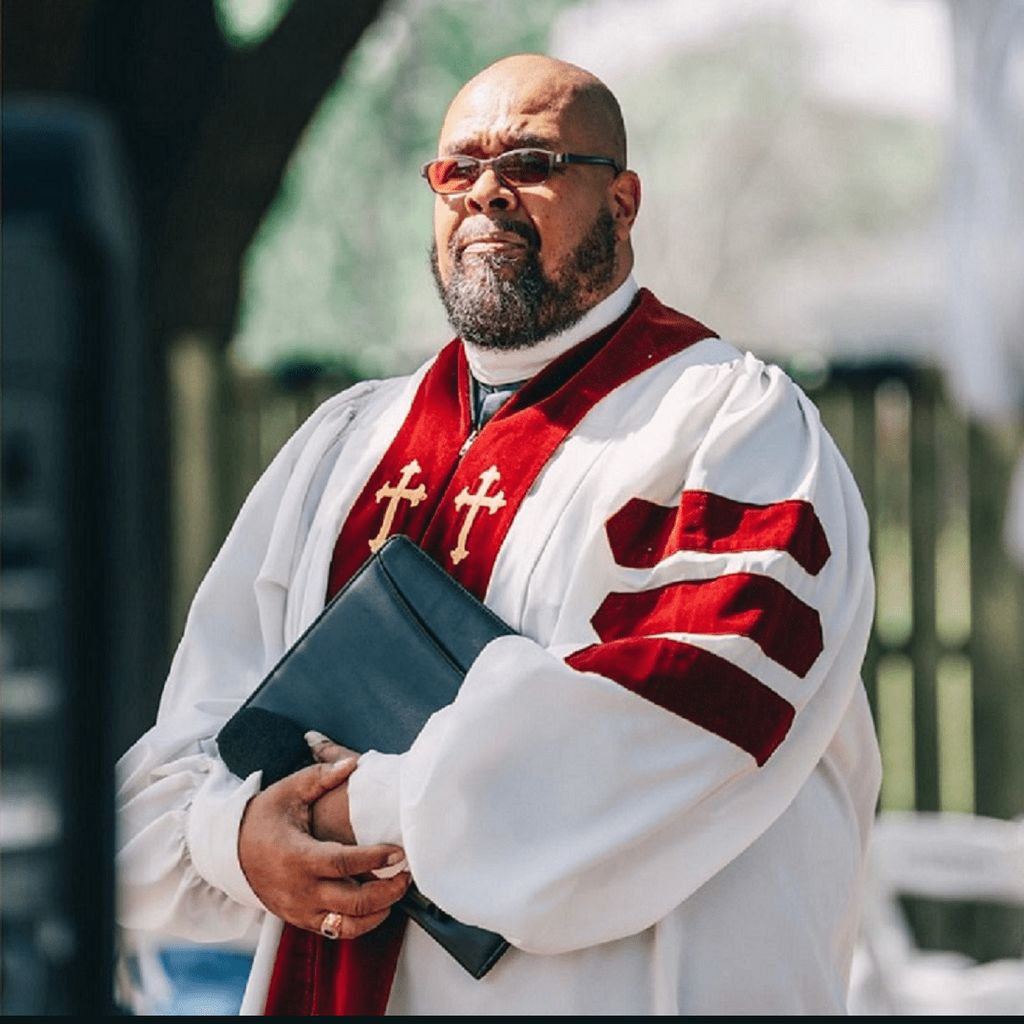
x=490 y=309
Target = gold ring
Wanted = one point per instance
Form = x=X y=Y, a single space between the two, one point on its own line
x=330 y=927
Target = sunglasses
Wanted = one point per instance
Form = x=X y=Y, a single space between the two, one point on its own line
x=450 y=175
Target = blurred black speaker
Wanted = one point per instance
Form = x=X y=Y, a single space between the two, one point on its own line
x=73 y=593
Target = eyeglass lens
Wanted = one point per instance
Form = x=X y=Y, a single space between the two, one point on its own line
x=517 y=167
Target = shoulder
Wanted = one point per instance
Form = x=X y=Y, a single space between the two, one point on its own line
x=333 y=423
x=339 y=413
x=761 y=394
x=712 y=384
x=739 y=427
x=708 y=372
x=298 y=472
x=738 y=379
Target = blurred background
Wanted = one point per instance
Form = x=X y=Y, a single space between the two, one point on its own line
x=213 y=219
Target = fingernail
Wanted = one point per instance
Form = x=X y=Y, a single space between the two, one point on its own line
x=394 y=865
x=343 y=763
x=314 y=738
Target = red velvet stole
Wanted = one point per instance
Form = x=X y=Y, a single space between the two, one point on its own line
x=459 y=510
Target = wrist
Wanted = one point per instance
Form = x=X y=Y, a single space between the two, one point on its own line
x=329 y=817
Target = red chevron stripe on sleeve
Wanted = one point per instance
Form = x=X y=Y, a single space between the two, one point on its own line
x=696 y=685
x=643 y=533
x=786 y=629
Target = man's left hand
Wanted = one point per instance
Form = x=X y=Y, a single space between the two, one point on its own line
x=329 y=816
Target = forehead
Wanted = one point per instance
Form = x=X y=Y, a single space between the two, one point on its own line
x=494 y=115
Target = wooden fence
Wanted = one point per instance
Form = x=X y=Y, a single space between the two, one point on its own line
x=945 y=666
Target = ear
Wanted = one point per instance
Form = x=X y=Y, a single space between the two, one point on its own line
x=624 y=199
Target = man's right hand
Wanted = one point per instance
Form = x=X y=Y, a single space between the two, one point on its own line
x=300 y=879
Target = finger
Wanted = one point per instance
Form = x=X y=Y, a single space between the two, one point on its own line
x=358 y=900
x=347 y=927
x=314 y=738
x=334 y=860
x=325 y=750
x=309 y=784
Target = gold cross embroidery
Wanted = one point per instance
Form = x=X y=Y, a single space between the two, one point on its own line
x=396 y=493
x=475 y=502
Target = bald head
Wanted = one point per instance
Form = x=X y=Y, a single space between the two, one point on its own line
x=529 y=84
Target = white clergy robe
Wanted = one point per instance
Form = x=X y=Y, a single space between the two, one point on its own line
x=660 y=792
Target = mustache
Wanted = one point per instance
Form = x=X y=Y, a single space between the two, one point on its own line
x=469 y=231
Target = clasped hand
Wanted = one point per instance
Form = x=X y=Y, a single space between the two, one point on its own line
x=295 y=848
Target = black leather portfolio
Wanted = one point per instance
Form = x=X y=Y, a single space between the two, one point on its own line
x=390 y=649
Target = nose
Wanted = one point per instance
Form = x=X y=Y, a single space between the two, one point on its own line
x=490 y=193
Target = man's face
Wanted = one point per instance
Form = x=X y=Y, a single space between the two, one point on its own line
x=515 y=264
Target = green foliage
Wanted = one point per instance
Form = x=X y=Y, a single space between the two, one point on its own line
x=340 y=267
x=247 y=23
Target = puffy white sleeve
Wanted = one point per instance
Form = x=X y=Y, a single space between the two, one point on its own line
x=714 y=628
x=179 y=807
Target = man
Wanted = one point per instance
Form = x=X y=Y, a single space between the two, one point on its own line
x=661 y=791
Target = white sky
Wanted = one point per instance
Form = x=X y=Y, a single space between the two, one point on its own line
x=887 y=55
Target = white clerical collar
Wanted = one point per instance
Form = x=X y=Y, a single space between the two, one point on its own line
x=494 y=366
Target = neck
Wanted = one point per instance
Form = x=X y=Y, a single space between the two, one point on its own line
x=497 y=366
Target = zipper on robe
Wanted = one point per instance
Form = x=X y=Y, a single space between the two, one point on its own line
x=468 y=442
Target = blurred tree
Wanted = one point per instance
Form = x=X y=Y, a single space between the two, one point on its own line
x=206 y=128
